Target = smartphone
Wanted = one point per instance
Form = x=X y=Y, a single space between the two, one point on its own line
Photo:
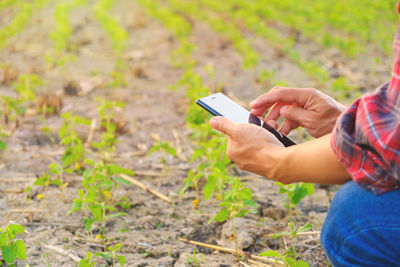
x=221 y=105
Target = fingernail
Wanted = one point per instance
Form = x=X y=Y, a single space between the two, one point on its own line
x=253 y=102
x=214 y=123
x=282 y=111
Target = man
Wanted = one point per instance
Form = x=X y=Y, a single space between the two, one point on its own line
x=358 y=146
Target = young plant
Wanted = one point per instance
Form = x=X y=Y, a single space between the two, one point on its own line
x=295 y=192
x=97 y=198
x=290 y=257
x=112 y=257
x=46 y=179
x=107 y=112
x=163 y=146
x=193 y=260
x=237 y=203
x=74 y=154
x=12 y=249
x=15 y=106
x=88 y=261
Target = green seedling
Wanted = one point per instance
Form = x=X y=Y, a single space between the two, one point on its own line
x=163 y=146
x=46 y=179
x=74 y=154
x=107 y=112
x=112 y=257
x=295 y=192
x=97 y=199
x=88 y=261
x=193 y=260
x=12 y=249
x=290 y=256
x=192 y=180
x=237 y=203
x=123 y=203
x=16 y=106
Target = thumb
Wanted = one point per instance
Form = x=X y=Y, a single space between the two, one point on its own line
x=294 y=113
x=223 y=125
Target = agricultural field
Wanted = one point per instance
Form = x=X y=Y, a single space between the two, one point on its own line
x=106 y=160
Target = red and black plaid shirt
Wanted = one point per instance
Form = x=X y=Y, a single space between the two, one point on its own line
x=366 y=138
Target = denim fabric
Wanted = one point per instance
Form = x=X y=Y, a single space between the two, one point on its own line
x=362 y=229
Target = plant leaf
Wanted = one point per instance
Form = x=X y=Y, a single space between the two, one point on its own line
x=2 y=145
x=21 y=249
x=115 y=169
x=9 y=254
x=302 y=263
x=305 y=228
x=209 y=187
x=245 y=194
x=270 y=253
x=222 y=215
x=17 y=229
x=121 y=180
x=122 y=260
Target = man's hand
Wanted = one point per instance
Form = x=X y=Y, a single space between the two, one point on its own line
x=247 y=144
x=255 y=149
x=304 y=107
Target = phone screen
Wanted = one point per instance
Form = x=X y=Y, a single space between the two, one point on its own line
x=221 y=105
x=226 y=107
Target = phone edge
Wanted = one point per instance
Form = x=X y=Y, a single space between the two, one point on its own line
x=208 y=108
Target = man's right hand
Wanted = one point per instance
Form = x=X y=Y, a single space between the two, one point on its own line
x=305 y=107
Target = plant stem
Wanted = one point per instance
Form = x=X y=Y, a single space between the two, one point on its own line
x=235 y=235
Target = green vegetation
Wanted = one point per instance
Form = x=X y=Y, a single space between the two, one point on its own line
x=74 y=154
x=21 y=19
x=97 y=197
x=237 y=203
x=12 y=249
x=290 y=257
x=118 y=36
x=63 y=32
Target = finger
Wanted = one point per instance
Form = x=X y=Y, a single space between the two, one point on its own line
x=259 y=111
x=223 y=125
x=282 y=94
x=287 y=126
x=296 y=114
x=273 y=124
x=274 y=112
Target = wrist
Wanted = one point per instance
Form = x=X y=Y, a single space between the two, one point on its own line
x=275 y=162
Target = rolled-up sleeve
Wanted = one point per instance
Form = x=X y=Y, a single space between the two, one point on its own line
x=366 y=141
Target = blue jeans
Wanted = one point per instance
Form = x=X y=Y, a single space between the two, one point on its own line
x=362 y=229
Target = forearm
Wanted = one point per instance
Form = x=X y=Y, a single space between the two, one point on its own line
x=311 y=162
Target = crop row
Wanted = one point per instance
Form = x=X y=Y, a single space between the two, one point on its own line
x=63 y=31
x=21 y=19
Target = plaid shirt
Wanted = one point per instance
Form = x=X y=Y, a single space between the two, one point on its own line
x=366 y=138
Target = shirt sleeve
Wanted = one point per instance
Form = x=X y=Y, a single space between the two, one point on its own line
x=366 y=141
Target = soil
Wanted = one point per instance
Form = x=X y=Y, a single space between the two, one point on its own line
x=150 y=232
